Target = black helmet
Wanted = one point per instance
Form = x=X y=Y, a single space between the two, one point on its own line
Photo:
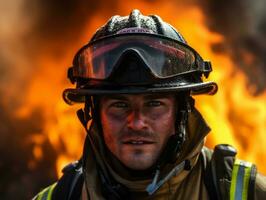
x=137 y=54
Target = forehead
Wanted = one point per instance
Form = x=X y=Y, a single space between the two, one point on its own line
x=138 y=96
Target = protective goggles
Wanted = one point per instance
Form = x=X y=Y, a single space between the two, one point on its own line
x=164 y=57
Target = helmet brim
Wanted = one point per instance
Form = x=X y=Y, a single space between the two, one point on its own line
x=73 y=95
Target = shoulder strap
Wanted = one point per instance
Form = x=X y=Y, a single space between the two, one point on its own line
x=70 y=184
x=68 y=187
x=226 y=177
x=208 y=176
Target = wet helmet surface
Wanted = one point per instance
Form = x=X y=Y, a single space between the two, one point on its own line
x=132 y=70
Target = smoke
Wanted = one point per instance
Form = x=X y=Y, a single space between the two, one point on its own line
x=33 y=30
x=36 y=38
x=19 y=169
x=243 y=25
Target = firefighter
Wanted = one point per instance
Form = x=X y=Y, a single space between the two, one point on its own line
x=145 y=139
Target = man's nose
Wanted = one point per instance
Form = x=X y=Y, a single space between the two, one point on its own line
x=136 y=120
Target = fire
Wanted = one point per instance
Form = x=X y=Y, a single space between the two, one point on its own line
x=234 y=114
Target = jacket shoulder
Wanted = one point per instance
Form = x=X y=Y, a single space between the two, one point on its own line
x=260 y=189
x=68 y=187
x=226 y=176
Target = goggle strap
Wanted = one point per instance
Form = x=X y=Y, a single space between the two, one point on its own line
x=207 y=68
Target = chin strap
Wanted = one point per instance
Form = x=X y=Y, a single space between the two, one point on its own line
x=155 y=184
x=172 y=149
x=111 y=189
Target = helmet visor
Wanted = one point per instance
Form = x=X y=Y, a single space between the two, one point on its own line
x=163 y=56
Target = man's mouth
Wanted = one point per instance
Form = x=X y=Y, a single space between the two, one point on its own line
x=138 y=142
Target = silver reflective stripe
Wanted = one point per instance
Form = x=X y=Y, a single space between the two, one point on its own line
x=239 y=183
x=45 y=194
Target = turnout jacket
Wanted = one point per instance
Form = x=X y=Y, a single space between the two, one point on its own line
x=210 y=175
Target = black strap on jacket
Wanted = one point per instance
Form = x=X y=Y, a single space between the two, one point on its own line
x=69 y=186
x=225 y=176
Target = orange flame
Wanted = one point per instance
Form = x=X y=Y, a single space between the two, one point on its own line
x=235 y=115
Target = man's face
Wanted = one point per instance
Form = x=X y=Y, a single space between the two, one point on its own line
x=137 y=127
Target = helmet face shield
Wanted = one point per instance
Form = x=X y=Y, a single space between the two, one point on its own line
x=163 y=56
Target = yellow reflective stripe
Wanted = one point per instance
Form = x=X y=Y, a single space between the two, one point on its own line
x=46 y=193
x=40 y=195
x=240 y=180
x=233 y=182
x=246 y=182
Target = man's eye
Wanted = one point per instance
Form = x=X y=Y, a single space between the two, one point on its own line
x=120 y=105
x=154 y=103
